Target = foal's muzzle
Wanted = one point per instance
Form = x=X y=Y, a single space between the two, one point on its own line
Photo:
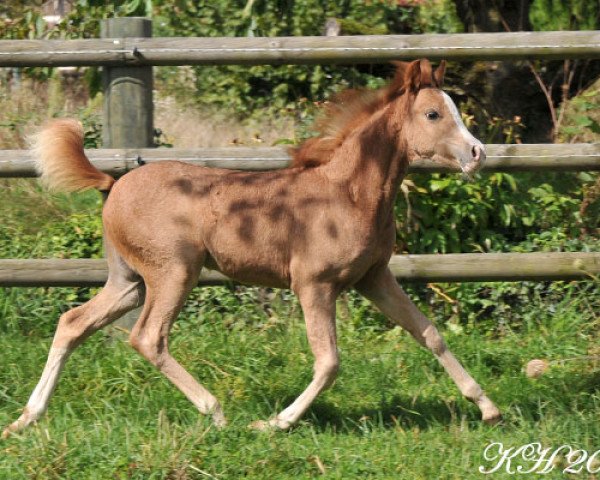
x=470 y=165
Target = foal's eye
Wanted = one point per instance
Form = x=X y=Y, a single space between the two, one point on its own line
x=432 y=115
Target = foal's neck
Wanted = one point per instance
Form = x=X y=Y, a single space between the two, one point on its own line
x=373 y=161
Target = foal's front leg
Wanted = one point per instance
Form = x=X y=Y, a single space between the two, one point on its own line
x=383 y=290
x=318 y=306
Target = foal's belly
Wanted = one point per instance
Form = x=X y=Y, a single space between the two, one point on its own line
x=269 y=240
x=248 y=255
x=263 y=275
x=283 y=257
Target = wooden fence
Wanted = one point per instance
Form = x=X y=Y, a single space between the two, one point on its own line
x=452 y=267
x=119 y=50
x=500 y=158
x=127 y=53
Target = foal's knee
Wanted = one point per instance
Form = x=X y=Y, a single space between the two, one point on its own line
x=149 y=349
x=328 y=368
x=433 y=340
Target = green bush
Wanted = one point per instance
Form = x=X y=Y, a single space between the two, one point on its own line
x=442 y=214
x=564 y=15
x=267 y=90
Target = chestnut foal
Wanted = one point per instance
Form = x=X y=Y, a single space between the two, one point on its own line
x=322 y=225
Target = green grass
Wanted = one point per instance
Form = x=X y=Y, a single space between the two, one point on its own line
x=392 y=413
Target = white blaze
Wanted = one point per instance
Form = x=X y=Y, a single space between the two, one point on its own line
x=468 y=137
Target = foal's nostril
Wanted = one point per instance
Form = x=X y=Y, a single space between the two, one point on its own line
x=478 y=153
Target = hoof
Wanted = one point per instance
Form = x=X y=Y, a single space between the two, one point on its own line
x=269 y=425
x=8 y=431
x=492 y=419
x=24 y=421
x=261 y=426
x=489 y=412
x=219 y=419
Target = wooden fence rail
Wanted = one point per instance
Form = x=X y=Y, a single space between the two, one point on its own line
x=501 y=158
x=298 y=50
x=466 y=267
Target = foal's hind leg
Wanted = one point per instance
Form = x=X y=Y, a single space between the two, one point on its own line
x=121 y=294
x=318 y=306
x=383 y=290
x=165 y=296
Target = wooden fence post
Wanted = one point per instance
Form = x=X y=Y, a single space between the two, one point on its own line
x=128 y=117
x=128 y=103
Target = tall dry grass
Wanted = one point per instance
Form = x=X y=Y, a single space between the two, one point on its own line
x=20 y=109
x=188 y=127
x=24 y=107
x=27 y=103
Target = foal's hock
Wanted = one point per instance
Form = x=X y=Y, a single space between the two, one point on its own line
x=322 y=225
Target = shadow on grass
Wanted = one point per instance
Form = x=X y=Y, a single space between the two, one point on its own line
x=398 y=411
x=557 y=396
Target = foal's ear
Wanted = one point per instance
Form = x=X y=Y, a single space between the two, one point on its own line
x=438 y=75
x=413 y=76
x=398 y=81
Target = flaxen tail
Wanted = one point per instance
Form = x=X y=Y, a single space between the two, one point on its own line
x=61 y=162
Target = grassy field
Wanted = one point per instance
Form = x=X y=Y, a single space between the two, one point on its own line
x=392 y=413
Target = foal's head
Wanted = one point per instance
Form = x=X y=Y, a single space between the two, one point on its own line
x=421 y=117
x=432 y=127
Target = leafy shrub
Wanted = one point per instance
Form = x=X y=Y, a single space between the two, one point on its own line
x=441 y=213
x=564 y=15
x=247 y=90
x=79 y=236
